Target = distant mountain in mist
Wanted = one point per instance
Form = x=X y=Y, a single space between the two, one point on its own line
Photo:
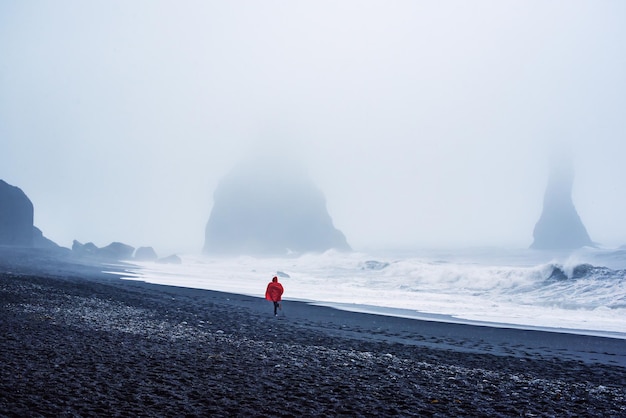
x=270 y=208
x=16 y=220
x=560 y=226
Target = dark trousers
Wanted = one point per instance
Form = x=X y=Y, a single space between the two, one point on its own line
x=276 y=306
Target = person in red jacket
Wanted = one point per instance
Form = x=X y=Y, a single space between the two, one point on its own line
x=274 y=293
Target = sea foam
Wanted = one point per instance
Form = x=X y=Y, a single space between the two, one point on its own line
x=582 y=292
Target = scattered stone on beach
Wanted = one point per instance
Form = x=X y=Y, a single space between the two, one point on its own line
x=80 y=346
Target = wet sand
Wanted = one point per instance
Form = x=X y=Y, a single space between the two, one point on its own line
x=76 y=342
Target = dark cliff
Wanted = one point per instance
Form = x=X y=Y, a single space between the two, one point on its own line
x=16 y=216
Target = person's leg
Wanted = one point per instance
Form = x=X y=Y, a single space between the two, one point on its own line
x=275 y=308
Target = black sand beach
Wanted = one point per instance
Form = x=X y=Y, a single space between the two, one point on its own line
x=77 y=342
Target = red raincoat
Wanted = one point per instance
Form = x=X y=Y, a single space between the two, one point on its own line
x=274 y=291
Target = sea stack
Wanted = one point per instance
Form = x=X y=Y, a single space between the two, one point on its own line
x=560 y=227
x=270 y=207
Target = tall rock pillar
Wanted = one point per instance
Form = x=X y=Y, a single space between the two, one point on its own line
x=559 y=226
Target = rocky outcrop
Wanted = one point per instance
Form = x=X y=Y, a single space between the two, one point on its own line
x=39 y=241
x=16 y=216
x=270 y=208
x=170 y=259
x=117 y=251
x=16 y=220
x=145 y=254
x=84 y=250
x=560 y=226
x=113 y=251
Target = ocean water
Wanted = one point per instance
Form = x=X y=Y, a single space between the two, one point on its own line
x=577 y=292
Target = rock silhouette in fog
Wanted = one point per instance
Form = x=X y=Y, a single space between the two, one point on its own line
x=170 y=259
x=559 y=226
x=113 y=251
x=145 y=254
x=16 y=216
x=16 y=220
x=39 y=241
x=270 y=208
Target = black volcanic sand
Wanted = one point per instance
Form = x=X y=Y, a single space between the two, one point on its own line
x=76 y=342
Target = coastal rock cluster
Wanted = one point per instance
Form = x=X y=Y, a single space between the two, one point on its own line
x=17 y=230
x=114 y=251
x=121 y=251
x=270 y=208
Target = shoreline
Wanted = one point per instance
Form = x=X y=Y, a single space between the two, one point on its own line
x=402 y=312
x=590 y=347
x=529 y=302
x=443 y=318
x=81 y=342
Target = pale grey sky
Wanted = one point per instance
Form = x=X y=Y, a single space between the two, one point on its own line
x=424 y=123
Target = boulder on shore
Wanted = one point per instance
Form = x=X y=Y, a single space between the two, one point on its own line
x=117 y=251
x=145 y=254
x=171 y=259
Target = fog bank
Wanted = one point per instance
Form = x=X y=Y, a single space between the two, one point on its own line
x=424 y=124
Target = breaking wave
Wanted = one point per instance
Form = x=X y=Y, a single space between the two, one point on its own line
x=577 y=291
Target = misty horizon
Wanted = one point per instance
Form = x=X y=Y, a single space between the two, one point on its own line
x=424 y=125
